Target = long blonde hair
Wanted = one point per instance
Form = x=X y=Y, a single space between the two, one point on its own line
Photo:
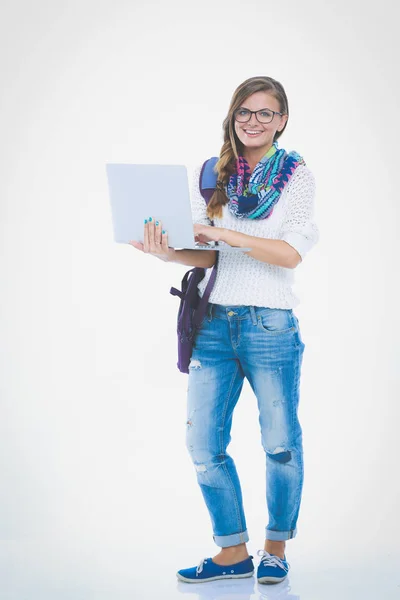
x=232 y=146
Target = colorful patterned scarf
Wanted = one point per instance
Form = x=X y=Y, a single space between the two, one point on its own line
x=254 y=195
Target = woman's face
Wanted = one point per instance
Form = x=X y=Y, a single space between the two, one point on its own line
x=264 y=132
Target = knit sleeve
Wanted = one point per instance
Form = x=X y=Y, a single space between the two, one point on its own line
x=198 y=204
x=299 y=228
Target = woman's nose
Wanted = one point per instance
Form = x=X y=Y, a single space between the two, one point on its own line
x=253 y=121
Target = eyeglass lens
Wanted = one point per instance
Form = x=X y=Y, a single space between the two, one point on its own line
x=263 y=116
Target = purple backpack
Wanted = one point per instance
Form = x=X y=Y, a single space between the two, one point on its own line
x=192 y=308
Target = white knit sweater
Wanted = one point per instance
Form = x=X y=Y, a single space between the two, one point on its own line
x=244 y=280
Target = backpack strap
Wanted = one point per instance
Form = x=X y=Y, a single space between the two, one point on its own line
x=184 y=285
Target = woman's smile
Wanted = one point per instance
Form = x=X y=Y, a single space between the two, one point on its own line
x=252 y=133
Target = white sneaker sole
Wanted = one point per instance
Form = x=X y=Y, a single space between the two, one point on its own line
x=240 y=576
x=270 y=579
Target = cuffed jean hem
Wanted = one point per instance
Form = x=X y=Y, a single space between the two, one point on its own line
x=279 y=536
x=231 y=540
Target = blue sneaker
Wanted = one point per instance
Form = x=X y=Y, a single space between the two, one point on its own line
x=272 y=569
x=207 y=570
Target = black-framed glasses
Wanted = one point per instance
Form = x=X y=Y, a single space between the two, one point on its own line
x=264 y=115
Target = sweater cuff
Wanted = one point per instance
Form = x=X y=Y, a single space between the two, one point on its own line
x=298 y=242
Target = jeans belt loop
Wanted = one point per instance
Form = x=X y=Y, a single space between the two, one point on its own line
x=253 y=315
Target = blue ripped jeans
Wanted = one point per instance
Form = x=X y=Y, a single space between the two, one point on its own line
x=265 y=346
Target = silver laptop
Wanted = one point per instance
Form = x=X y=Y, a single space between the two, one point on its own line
x=140 y=191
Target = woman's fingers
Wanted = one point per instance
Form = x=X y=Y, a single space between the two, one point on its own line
x=146 y=243
x=158 y=235
x=151 y=234
x=164 y=242
x=155 y=238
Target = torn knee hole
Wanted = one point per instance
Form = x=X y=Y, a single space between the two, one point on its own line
x=280 y=455
x=200 y=468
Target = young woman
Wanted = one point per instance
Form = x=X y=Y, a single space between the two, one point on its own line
x=264 y=200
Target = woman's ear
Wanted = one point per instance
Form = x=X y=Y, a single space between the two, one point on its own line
x=284 y=119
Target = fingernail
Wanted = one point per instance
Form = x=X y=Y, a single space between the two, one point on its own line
x=157 y=223
x=145 y=220
x=150 y=219
x=163 y=230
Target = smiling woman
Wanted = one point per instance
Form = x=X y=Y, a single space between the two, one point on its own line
x=263 y=200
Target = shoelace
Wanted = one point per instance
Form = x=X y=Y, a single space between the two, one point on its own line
x=270 y=560
x=199 y=567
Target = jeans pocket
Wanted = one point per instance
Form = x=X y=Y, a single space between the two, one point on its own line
x=275 y=321
x=298 y=332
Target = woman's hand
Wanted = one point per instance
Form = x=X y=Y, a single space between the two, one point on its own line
x=207 y=233
x=155 y=241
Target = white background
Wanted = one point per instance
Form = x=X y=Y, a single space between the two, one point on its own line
x=99 y=497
